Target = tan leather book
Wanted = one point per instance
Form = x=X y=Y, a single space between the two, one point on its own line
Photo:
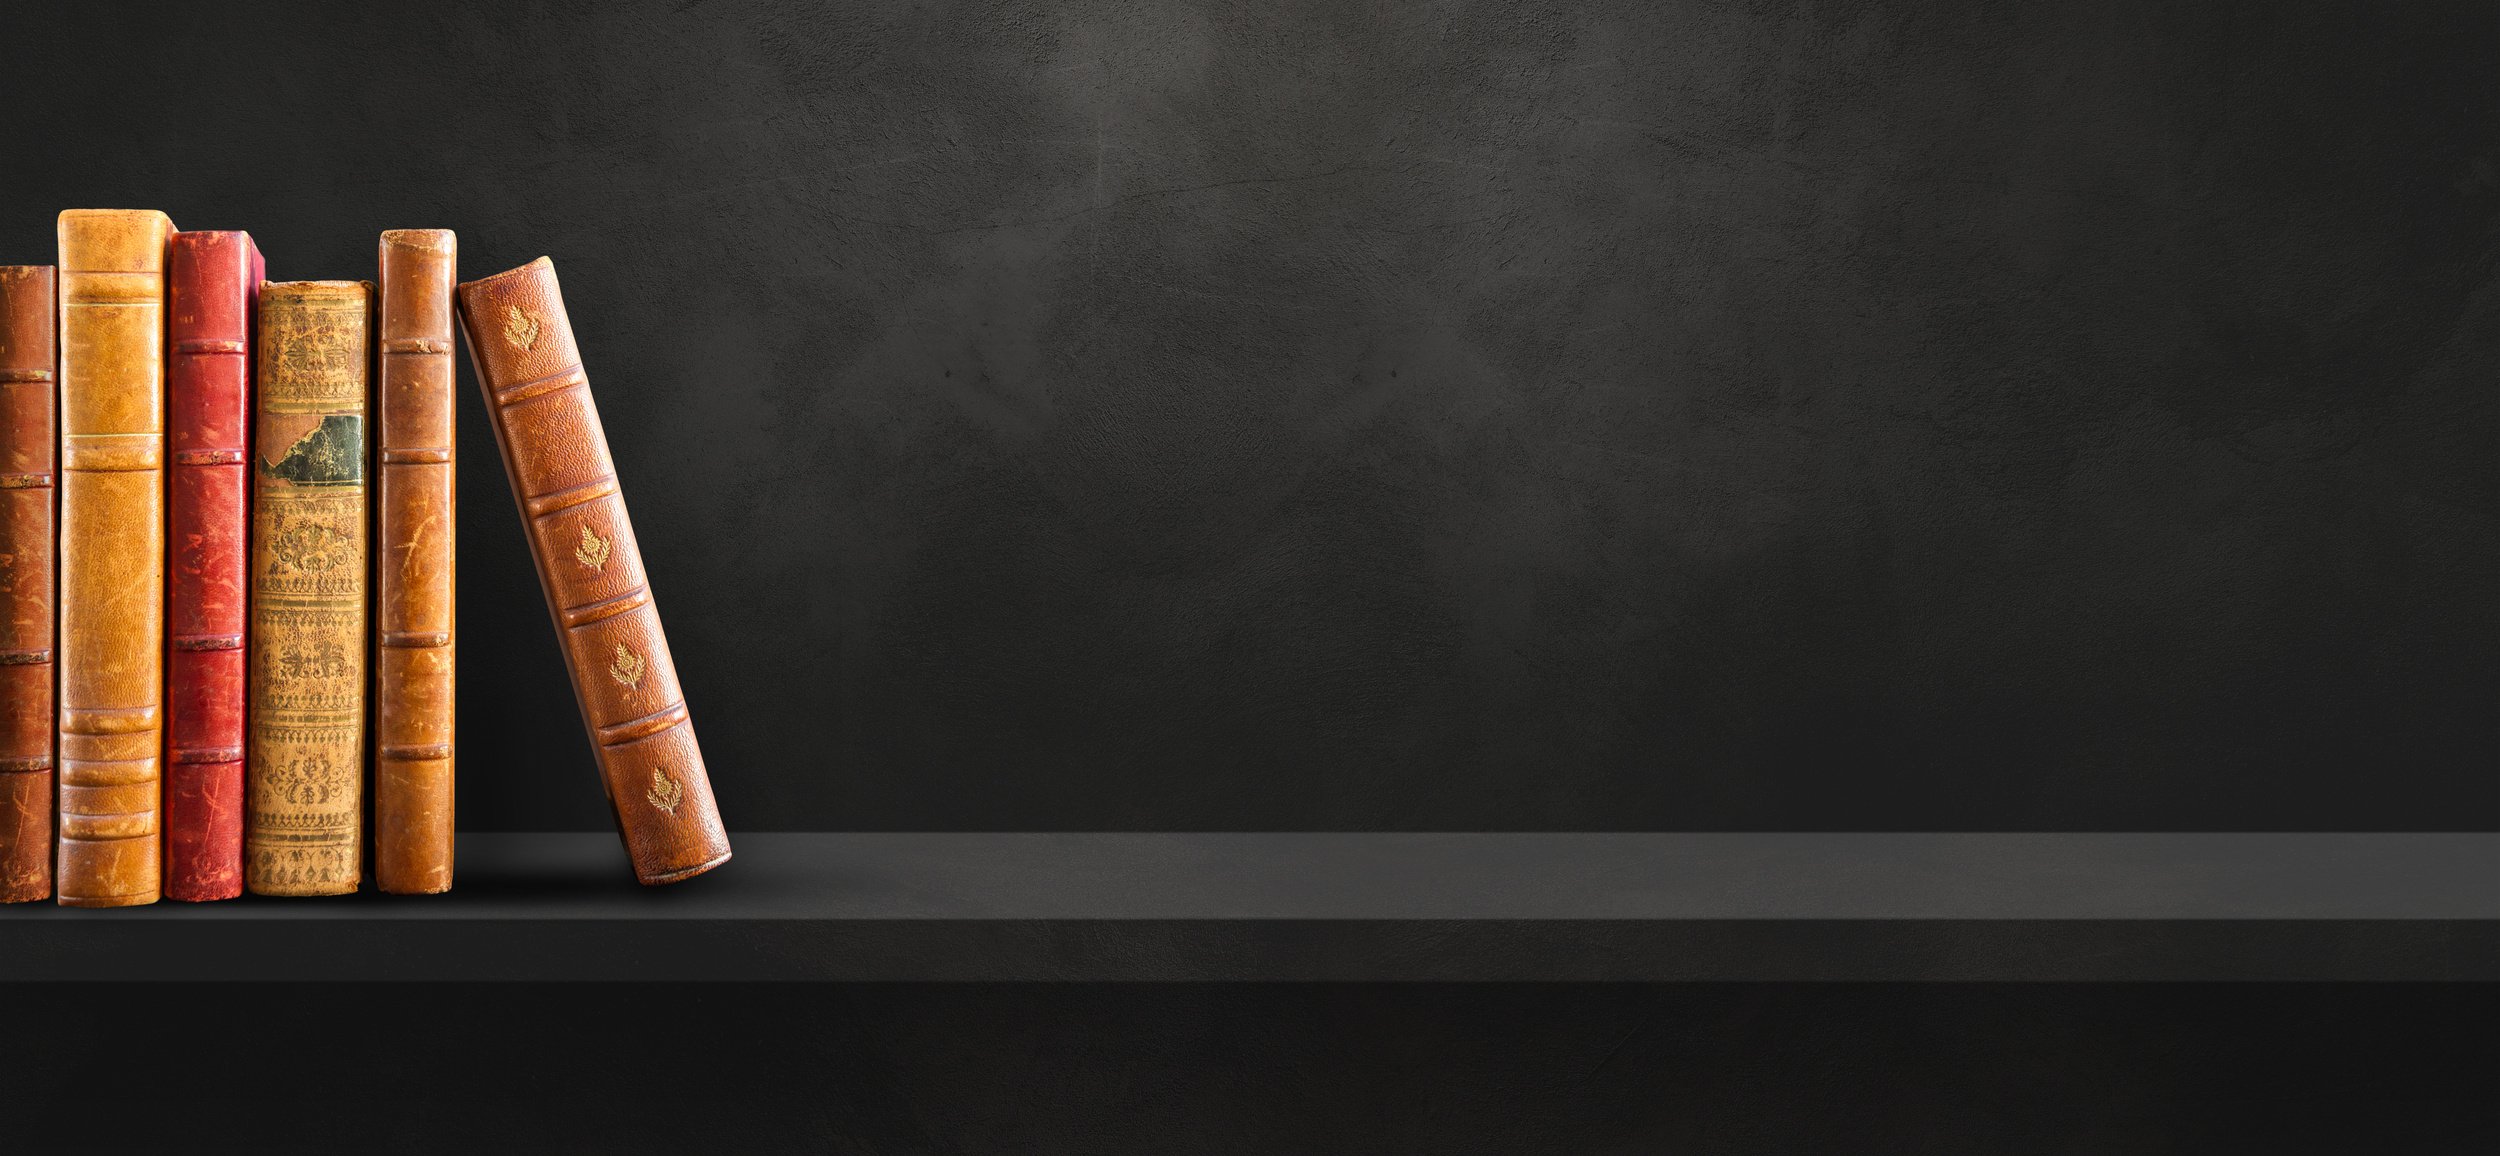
x=556 y=456
x=29 y=339
x=112 y=582
x=304 y=769
x=412 y=692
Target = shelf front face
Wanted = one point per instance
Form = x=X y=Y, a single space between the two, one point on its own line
x=1357 y=907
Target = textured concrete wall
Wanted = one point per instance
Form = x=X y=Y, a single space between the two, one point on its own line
x=1442 y=414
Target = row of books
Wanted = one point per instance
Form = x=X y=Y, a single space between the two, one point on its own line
x=214 y=641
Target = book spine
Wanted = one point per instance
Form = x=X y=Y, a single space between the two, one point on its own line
x=556 y=456
x=112 y=555
x=305 y=766
x=212 y=284
x=412 y=698
x=27 y=344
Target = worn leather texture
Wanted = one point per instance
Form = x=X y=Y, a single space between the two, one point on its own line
x=112 y=554
x=415 y=555
x=28 y=341
x=212 y=287
x=555 y=454
x=305 y=772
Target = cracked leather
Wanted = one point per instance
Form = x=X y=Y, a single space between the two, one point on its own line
x=305 y=769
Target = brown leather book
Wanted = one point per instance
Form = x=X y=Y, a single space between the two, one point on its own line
x=556 y=456
x=112 y=580
x=27 y=343
x=304 y=770
x=412 y=693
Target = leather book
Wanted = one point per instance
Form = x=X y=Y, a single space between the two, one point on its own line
x=412 y=692
x=112 y=554
x=27 y=342
x=304 y=769
x=212 y=284
x=555 y=454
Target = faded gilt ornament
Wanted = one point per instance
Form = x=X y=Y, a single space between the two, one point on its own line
x=664 y=793
x=627 y=668
x=519 y=328
x=593 y=550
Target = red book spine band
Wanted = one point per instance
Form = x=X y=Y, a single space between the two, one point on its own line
x=212 y=284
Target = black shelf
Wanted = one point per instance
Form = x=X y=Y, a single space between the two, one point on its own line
x=1289 y=907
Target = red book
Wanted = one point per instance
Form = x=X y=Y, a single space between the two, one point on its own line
x=212 y=283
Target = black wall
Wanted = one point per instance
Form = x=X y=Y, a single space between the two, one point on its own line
x=1440 y=415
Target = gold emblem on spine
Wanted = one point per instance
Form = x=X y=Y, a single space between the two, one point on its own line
x=593 y=550
x=627 y=668
x=519 y=328
x=664 y=793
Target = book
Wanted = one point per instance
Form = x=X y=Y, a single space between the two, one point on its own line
x=112 y=554
x=412 y=691
x=304 y=766
x=555 y=454
x=212 y=285
x=27 y=344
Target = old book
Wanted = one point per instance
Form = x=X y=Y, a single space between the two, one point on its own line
x=112 y=554
x=412 y=692
x=556 y=456
x=305 y=766
x=27 y=342
x=212 y=283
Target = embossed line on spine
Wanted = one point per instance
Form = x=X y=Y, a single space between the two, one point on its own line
x=566 y=378
x=606 y=608
x=193 y=755
x=108 y=772
x=25 y=481
x=545 y=504
x=108 y=826
x=665 y=718
x=197 y=346
x=28 y=656
x=24 y=376
x=104 y=453
x=416 y=639
x=111 y=720
x=25 y=766
x=112 y=287
x=418 y=346
x=208 y=457
x=416 y=455
x=195 y=642
x=413 y=753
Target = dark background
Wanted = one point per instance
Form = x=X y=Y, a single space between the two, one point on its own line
x=1913 y=1069
x=1420 y=415
x=1439 y=415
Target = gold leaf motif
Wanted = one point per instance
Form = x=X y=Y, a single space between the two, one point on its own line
x=593 y=551
x=627 y=668
x=664 y=793
x=519 y=328
x=301 y=546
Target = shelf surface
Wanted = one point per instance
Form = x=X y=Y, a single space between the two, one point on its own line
x=1356 y=907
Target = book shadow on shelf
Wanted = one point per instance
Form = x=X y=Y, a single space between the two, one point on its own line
x=501 y=868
